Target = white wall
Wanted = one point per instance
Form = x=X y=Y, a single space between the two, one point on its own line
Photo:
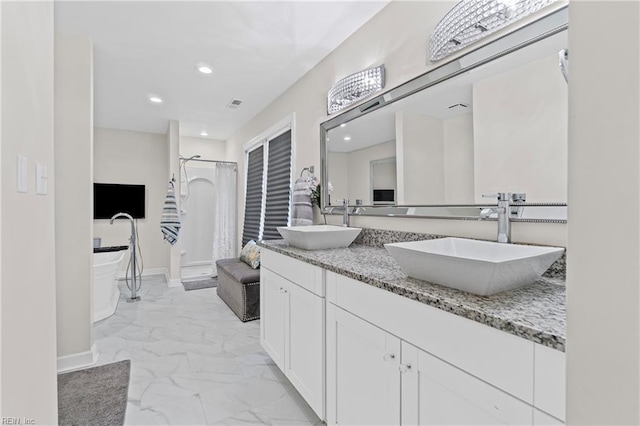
x=397 y=36
x=338 y=171
x=209 y=149
x=422 y=159
x=603 y=276
x=458 y=160
x=359 y=170
x=27 y=265
x=520 y=132
x=134 y=158
x=73 y=92
x=350 y=172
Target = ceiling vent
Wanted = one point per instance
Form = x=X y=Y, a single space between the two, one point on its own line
x=234 y=103
x=458 y=106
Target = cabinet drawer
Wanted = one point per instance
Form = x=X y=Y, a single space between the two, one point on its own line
x=303 y=274
x=499 y=358
x=550 y=380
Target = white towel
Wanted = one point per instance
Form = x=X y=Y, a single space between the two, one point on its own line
x=302 y=207
x=170 y=222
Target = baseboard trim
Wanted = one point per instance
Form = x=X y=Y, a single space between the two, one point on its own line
x=174 y=282
x=77 y=361
x=146 y=273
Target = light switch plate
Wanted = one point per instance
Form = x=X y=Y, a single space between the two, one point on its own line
x=42 y=179
x=21 y=174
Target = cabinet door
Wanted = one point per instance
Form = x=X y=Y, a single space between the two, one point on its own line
x=304 y=345
x=272 y=315
x=436 y=393
x=363 y=365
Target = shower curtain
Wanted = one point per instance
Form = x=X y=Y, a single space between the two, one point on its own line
x=224 y=229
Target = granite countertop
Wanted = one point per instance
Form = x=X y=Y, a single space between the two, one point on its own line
x=535 y=312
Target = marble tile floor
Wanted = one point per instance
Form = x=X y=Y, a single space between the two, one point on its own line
x=193 y=362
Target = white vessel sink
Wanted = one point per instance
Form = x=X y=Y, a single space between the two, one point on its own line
x=479 y=267
x=318 y=237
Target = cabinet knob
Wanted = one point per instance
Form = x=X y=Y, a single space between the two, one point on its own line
x=404 y=368
x=388 y=357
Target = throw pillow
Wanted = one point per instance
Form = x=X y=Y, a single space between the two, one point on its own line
x=250 y=254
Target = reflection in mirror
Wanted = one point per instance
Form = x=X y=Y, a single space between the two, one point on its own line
x=383 y=181
x=499 y=127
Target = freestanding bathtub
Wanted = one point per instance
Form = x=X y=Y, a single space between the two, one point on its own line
x=105 y=285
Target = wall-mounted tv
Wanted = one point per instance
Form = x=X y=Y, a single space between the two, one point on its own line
x=112 y=198
x=384 y=196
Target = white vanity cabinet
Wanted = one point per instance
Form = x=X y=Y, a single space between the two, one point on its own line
x=361 y=355
x=391 y=360
x=292 y=323
x=376 y=378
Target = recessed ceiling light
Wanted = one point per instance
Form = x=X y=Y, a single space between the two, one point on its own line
x=347 y=138
x=204 y=69
x=343 y=125
x=155 y=99
x=204 y=134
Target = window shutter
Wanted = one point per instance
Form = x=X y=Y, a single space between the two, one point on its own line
x=278 y=186
x=253 y=202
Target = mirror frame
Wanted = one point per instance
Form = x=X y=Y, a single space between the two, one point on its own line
x=545 y=26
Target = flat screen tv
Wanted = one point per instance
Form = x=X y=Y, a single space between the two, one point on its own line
x=112 y=198
x=384 y=196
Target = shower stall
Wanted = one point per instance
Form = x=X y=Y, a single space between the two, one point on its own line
x=207 y=215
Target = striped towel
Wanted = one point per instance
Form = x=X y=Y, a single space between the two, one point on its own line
x=302 y=208
x=170 y=222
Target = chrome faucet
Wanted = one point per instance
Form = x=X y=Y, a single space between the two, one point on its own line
x=345 y=213
x=504 y=211
x=359 y=210
x=132 y=251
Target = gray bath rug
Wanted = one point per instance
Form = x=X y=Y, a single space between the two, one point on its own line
x=94 y=396
x=197 y=285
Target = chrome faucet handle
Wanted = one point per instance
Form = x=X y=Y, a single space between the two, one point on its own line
x=501 y=196
x=519 y=197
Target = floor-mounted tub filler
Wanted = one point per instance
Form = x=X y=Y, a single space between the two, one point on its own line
x=105 y=285
x=134 y=268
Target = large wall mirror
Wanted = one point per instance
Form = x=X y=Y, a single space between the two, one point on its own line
x=494 y=120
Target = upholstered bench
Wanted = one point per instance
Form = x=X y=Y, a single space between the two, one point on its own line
x=239 y=287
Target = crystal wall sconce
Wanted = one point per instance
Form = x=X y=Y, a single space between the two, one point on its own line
x=354 y=88
x=471 y=20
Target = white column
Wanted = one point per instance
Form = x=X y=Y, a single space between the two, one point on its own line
x=603 y=276
x=173 y=138
x=73 y=103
